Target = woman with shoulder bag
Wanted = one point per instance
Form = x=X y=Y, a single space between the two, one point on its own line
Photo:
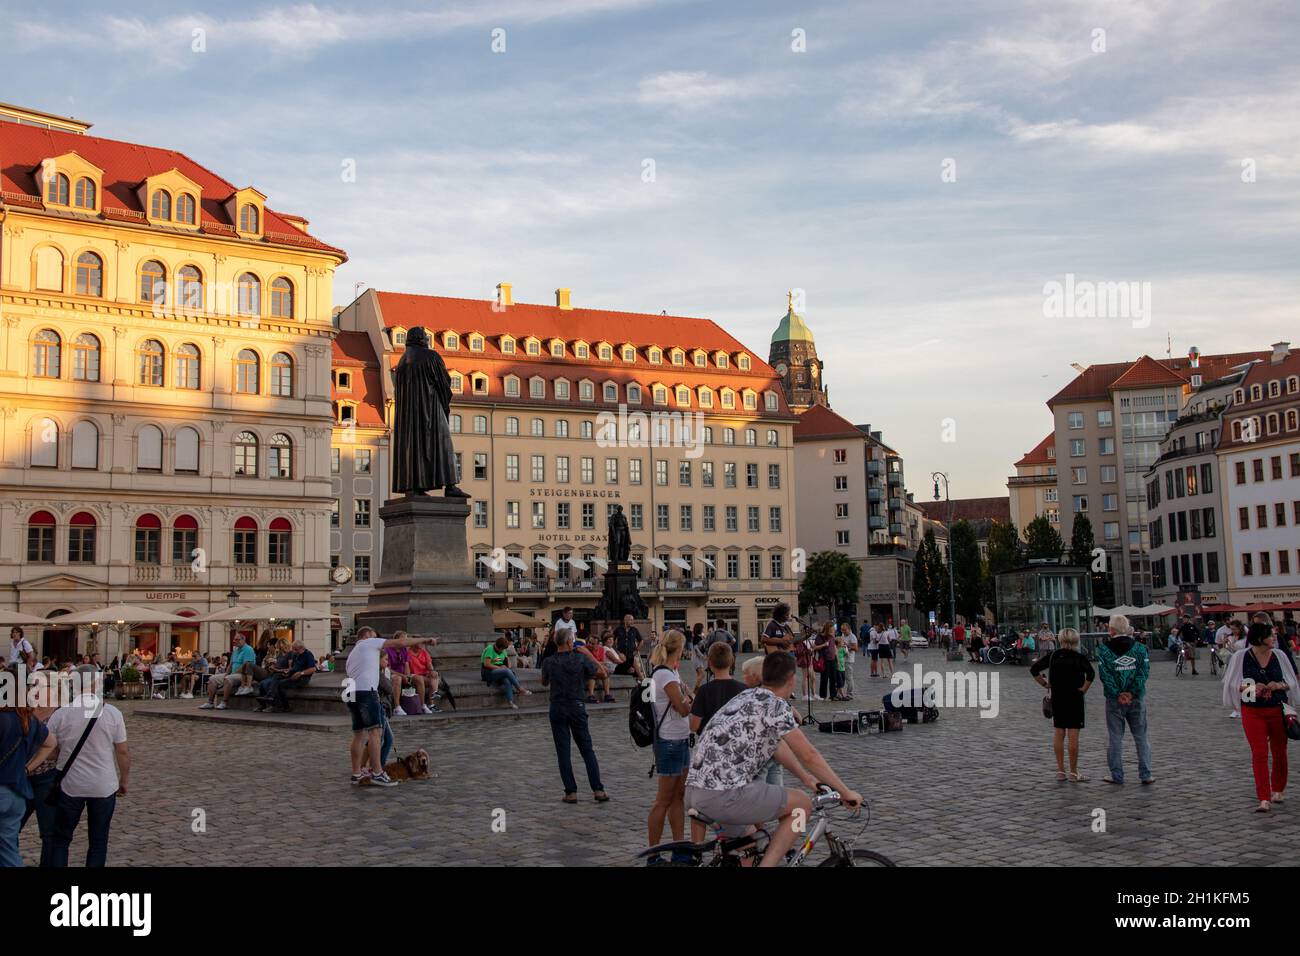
x=1261 y=680
x=25 y=744
x=1069 y=675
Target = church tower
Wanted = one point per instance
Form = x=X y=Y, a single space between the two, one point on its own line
x=793 y=354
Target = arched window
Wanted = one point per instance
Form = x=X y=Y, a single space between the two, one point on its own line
x=245 y=540
x=279 y=457
x=56 y=189
x=84 y=198
x=153 y=283
x=282 y=374
x=247 y=372
x=246 y=455
x=85 y=358
x=45 y=443
x=250 y=294
x=187 y=360
x=248 y=218
x=149 y=363
x=185 y=209
x=278 y=537
x=185 y=539
x=49 y=269
x=187 y=450
x=46 y=354
x=85 y=445
x=282 y=298
x=40 y=538
x=81 y=538
x=148 y=449
x=90 y=274
x=148 y=539
x=1292 y=419
x=190 y=291
x=160 y=204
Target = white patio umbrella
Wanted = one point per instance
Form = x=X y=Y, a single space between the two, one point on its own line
x=655 y=562
x=600 y=563
x=122 y=614
x=10 y=618
x=237 y=613
x=684 y=565
x=578 y=563
x=517 y=562
x=547 y=563
x=284 y=612
x=636 y=565
x=1154 y=609
x=708 y=562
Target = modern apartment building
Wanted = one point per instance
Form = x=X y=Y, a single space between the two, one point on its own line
x=1259 y=472
x=560 y=413
x=164 y=389
x=1108 y=425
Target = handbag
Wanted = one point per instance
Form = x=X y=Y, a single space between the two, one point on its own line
x=56 y=788
x=1047 y=705
x=1292 y=721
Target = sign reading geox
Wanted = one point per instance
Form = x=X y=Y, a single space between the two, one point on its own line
x=76 y=909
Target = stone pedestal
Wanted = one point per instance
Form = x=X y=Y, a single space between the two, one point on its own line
x=620 y=596
x=426 y=585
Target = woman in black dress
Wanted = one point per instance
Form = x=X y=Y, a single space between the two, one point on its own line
x=1069 y=675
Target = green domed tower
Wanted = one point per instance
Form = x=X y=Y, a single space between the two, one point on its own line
x=794 y=356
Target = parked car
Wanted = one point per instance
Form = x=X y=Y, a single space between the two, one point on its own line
x=920 y=640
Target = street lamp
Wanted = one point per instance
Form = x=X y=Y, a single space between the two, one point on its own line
x=952 y=588
x=232 y=598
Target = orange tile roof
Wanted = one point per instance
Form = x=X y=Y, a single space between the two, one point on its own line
x=1146 y=372
x=819 y=422
x=1095 y=382
x=440 y=314
x=352 y=351
x=1039 y=455
x=126 y=165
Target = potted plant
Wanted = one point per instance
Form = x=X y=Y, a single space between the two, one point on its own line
x=130 y=684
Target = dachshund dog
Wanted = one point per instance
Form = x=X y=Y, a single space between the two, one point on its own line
x=414 y=766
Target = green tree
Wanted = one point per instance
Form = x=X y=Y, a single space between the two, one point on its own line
x=966 y=569
x=1082 y=541
x=929 y=576
x=1042 y=540
x=832 y=580
x=1003 y=555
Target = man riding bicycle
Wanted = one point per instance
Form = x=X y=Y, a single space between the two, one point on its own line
x=731 y=756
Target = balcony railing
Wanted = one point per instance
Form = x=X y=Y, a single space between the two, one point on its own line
x=876 y=522
x=895 y=477
x=875 y=494
x=875 y=467
x=895 y=504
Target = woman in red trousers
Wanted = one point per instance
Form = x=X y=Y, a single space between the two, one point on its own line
x=1261 y=680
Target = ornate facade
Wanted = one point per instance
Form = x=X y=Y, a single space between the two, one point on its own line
x=165 y=419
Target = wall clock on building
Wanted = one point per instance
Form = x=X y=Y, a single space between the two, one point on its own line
x=781 y=369
x=341 y=575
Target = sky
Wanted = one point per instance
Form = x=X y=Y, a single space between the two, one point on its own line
x=920 y=172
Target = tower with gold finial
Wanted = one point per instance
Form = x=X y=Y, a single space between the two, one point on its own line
x=793 y=354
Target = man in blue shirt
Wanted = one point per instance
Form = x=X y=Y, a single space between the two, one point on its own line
x=294 y=670
x=227 y=683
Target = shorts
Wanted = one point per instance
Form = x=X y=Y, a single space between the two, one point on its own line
x=736 y=811
x=672 y=757
x=365 y=711
x=886 y=652
x=874 y=652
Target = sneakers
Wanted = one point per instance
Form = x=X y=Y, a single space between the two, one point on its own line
x=381 y=780
x=362 y=777
x=426 y=709
x=187 y=696
x=513 y=705
x=245 y=691
x=1235 y=713
x=160 y=696
x=207 y=705
x=221 y=705
x=398 y=712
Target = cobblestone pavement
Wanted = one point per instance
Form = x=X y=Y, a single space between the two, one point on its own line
x=965 y=790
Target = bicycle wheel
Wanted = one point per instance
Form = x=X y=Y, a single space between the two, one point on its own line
x=997 y=655
x=1178 y=668
x=858 y=857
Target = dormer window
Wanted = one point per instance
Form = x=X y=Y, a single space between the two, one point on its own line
x=476 y=343
x=399 y=337
x=512 y=386
x=742 y=363
x=701 y=360
x=722 y=360
x=683 y=396
x=457 y=383
x=537 y=387
x=770 y=401
x=656 y=356
x=611 y=392
x=629 y=353
x=56 y=189
x=1274 y=388
x=451 y=341
x=660 y=395
x=479 y=383
x=706 y=398
x=606 y=353
x=84 y=197
x=186 y=209
x=557 y=349
x=507 y=345
x=160 y=204
x=728 y=398
x=751 y=400
x=582 y=351
x=343 y=381
x=249 y=218
x=679 y=357
x=533 y=347
x=634 y=394
x=586 y=391
x=562 y=388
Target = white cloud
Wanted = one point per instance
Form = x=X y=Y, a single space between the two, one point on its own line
x=690 y=90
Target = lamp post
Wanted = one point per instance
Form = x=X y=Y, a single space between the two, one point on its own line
x=232 y=598
x=952 y=587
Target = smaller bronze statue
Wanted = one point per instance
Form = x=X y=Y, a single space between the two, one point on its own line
x=620 y=538
x=423 y=457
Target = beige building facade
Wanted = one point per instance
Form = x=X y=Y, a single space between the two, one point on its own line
x=560 y=413
x=164 y=390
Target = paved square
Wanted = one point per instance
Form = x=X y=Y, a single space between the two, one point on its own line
x=966 y=790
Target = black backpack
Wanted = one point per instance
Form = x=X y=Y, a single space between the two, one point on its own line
x=641 y=713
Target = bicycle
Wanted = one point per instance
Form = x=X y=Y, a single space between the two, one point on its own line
x=1180 y=661
x=740 y=851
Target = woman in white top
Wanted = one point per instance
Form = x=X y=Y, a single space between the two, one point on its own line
x=672 y=707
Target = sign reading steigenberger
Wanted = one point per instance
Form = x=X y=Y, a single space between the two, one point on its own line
x=572 y=493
